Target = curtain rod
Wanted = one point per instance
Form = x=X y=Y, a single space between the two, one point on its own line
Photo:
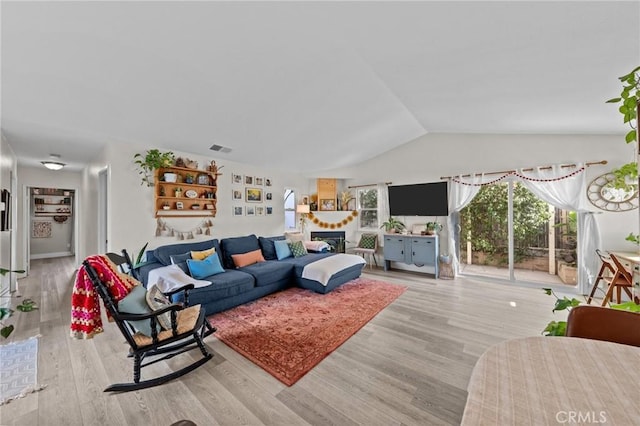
x=593 y=163
x=371 y=184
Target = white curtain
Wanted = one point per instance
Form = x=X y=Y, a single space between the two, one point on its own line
x=569 y=193
x=383 y=202
x=461 y=192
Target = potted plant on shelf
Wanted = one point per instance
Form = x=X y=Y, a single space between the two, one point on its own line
x=154 y=159
x=178 y=192
x=189 y=178
x=393 y=225
x=433 y=227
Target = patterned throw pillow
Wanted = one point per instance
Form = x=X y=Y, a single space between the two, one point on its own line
x=156 y=300
x=297 y=249
x=367 y=241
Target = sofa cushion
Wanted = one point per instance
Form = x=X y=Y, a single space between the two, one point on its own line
x=282 y=249
x=269 y=272
x=181 y=261
x=163 y=253
x=202 y=255
x=199 y=269
x=227 y=284
x=297 y=249
x=237 y=245
x=246 y=259
x=268 y=248
x=299 y=263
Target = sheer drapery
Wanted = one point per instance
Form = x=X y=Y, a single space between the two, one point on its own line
x=383 y=202
x=461 y=192
x=569 y=193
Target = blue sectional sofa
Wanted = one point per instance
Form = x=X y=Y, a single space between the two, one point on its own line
x=236 y=286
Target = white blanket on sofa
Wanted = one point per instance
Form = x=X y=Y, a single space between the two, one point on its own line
x=170 y=277
x=322 y=270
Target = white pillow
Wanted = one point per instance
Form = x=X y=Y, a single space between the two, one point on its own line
x=294 y=236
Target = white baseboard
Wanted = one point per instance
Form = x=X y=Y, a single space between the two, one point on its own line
x=48 y=255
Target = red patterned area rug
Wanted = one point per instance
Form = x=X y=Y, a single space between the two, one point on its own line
x=290 y=332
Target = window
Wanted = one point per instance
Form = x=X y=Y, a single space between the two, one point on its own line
x=368 y=207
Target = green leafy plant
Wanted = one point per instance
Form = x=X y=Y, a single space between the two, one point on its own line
x=27 y=305
x=393 y=225
x=627 y=306
x=153 y=159
x=629 y=101
x=559 y=328
x=433 y=226
x=634 y=238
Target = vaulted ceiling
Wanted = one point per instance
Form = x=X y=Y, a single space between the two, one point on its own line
x=305 y=85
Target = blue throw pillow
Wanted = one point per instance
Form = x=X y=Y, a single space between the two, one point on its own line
x=199 y=269
x=268 y=248
x=282 y=249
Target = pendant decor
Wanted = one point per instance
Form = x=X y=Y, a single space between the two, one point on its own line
x=165 y=230
x=333 y=225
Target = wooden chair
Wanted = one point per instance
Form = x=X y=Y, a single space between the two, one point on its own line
x=621 y=280
x=600 y=323
x=367 y=246
x=606 y=272
x=188 y=329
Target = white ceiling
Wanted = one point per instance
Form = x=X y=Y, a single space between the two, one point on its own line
x=305 y=85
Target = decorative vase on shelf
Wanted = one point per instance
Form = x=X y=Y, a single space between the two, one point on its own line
x=170 y=177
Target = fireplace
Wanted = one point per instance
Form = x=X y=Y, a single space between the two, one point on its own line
x=334 y=238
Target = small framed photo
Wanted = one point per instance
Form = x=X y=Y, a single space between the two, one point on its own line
x=269 y=210
x=259 y=211
x=237 y=194
x=304 y=199
x=251 y=210
x=259 y=181
x=327 y=204
x=238 y=210
x=267 y=181
x=237 y=179
x=268 y=196
x=253 y=195
x=179 y=205
x=248 y=180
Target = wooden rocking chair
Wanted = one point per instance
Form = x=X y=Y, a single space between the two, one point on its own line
x=188 y=329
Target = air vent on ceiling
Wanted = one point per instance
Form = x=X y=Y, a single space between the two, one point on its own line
x=220 y=148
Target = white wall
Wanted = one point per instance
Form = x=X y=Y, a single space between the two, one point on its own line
x=428 y=158
x=131 y=205
x=8 y=255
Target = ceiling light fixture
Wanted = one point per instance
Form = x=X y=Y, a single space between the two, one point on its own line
x=53 y=164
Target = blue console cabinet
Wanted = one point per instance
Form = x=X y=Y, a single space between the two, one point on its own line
x=419 y=250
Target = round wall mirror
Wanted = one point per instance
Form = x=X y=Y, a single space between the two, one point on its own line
x=603 y=194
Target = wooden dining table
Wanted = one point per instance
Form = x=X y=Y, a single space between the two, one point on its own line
x=555 y=380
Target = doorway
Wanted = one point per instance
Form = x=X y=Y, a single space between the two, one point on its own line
x=506 y=232
x=51 y=222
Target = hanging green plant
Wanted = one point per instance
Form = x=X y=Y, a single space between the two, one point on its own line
x=629 y=101
x=154 y=159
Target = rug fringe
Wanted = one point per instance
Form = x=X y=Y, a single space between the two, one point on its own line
x=29 y=390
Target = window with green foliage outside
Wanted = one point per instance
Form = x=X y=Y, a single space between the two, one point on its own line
x=368 y=207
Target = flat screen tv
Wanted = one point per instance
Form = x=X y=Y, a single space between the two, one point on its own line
x=422 y=199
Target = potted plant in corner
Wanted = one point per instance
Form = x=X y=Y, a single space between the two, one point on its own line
x=154 y=159
x=392 y=225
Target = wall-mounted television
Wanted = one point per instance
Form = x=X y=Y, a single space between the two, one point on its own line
x=422 y=199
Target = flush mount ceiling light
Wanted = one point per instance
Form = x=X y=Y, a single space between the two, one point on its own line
x=52 y=164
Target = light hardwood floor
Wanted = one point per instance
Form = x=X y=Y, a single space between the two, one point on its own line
x=410 y=365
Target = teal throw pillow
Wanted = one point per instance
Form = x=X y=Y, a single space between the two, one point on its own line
x=297 y=249
x=368 y=241
x=199 y=269
x=135 y=303
x=282 y=249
